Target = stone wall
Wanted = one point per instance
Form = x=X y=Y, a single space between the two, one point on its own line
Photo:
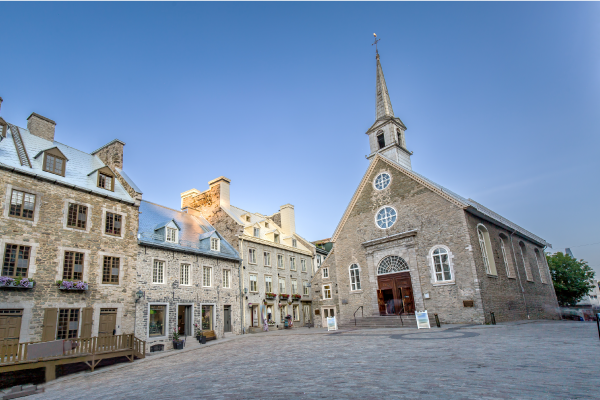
x=317 y=282
x=111 y=154
x=49 y=238
x=195 y=295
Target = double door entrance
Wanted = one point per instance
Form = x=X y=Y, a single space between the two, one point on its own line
x=395 y=294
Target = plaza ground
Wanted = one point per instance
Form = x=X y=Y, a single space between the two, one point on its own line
x=526 y=360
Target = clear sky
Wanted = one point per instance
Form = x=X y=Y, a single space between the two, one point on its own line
x=501 y=100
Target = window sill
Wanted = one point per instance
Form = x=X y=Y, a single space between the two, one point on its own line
x=356 y=291
x=20 y=219
x=156 y=283
x=492 y=276
x=444 y=283
x=207 y=287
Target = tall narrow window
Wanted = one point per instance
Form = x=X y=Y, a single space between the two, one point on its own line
x=296 y=312
x=77 y=216
x=354 y=277
x=253 y=283
x=110 y=270
x=215 y=244
x=68 y=323
x=256 y=232
x=207 y=282
x=441 y=264
x=267 y=259
x=16 y=260
x=305 y=288
x=185 y=274
x=294 y=243
x=171 y=235
x=325 y=272
x=525 y=263
x=282 y=286
x=399 y=136
x=327 y=291
x=54 y=164
x=294 y=286
x=510 y=272
x=537 y=260
x=73 y=266
x=381 y=140
x=293 y=263
x=252 y=256
x=112 y=225
x=276 y=238
x=268 y=284
x=105 y=181
x=227 y=278
x=22 y=204
x=303 y=265
x=280 y=261
x=486 y=250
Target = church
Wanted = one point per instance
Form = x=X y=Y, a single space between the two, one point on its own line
x=407 y=244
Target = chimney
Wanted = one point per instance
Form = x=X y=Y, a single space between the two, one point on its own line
x=1 y=102
x=41 y=126
x=111 y=154
x=288 y=219
x=223 y=190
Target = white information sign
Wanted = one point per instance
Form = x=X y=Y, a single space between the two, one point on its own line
x=331 y=324
x=422 y=320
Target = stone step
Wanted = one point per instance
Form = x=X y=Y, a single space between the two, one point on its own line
x=407 y=321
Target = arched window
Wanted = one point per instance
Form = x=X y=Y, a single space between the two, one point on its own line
x=442 y=272
x=354 y=277
x=537 y=260
x=526 y=265
x=382 y=181
x=486 y=250
x=385 y=217
x=508 y=264
x=392 y=264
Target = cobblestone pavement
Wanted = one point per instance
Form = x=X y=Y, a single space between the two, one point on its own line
x=541 y=360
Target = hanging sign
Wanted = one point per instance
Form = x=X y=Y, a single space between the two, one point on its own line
x=422 y=320
x=331 y=324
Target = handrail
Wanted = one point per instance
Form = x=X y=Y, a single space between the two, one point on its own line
x=362 y=312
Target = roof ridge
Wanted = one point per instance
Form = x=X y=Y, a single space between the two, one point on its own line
x=168 y=208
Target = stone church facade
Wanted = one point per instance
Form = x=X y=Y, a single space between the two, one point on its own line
x=407 y=244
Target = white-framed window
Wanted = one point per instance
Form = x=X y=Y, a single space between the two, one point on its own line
x=256 y=232
x=441 y=264
x=158 y=272
x=293 y=263
x=525 y=263
x=215 y=244
x=486 y=250
x=171 y=235
x=253 y=283
x=282 y=286
x=325 y=272
x=207 y=276
x=382 y=181
x=386 y=217
x=318 y=260
x=185 y=274
x=294 y=243
x=294 y=286
x=296 y=312
x=157 y=320
x=267 y=257
x=276 y=238
x=280 y=261
x=327 y=291
x=354 y=277
x=268 y=284
x=227 y=278
x=537 y=260
x=305 y=288
x=252 y=256
x=510 y=272
x=303 y=265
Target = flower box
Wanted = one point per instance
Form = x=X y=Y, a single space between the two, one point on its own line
x=72 y=285
x=18 y=283
x=284 y=296
x=296 y=297
x=270 y=296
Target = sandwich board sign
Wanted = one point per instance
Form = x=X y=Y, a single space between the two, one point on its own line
x=331 y=324
x=422 y=320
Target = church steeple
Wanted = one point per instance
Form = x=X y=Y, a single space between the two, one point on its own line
x=386 y=136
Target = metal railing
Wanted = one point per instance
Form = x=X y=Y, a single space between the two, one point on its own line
x=362 y=313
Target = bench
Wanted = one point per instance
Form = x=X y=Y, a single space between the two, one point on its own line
x=209 y=335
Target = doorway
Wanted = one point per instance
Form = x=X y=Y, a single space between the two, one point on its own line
x=254 y=316
x=306 y=313
x=226 y=319
x=108 y=322
x=184 y=320
x=327 y=312
x=10 y=326
x=395 y=294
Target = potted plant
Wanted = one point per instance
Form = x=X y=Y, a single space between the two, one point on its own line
x=199 y=335
x=177 y=342
x=17 y=283
x=72 y=285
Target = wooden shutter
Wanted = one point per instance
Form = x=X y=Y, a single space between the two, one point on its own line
x=49 y=326
x=86 y=322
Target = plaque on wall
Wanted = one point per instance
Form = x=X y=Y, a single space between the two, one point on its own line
x=468 y=303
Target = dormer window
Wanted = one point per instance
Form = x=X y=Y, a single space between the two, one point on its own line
x=215 y=244
x=294 y=243
x=247 y=218
x=105 y=181
x=256 y=232
x=266 y=224
x=171 y=235
x=276 y=238
x=54 y=164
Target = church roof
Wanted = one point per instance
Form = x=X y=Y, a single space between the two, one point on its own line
x=466 y=204
x=383 y=104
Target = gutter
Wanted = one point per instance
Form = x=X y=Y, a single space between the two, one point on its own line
x=242 y=289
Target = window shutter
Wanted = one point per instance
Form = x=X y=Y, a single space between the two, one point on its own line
x=86 y=322
x=49 y=326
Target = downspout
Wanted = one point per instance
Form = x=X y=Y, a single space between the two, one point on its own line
x=551 y=281
x=242 y=310
x=518 y=273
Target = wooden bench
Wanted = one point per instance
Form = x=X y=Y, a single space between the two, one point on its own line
x=209 y=335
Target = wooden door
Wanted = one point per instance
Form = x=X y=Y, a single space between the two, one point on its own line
x=408 y=300
x=108 y=322
x=49 y=326
x=10 y=326
x=381 y=302
x=227 y=318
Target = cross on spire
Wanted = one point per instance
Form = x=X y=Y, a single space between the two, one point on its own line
x=375 y=43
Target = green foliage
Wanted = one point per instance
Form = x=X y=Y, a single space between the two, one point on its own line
x=572 y=278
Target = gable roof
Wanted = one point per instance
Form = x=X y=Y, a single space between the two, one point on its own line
x=55 y=148
x=466 y=204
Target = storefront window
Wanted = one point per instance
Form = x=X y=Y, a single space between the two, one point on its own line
x=157 y=320
x=207 y=318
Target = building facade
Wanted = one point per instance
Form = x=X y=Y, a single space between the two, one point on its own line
x=68 y=225
x=277 y=262
x=188 y=275
x=407 y=244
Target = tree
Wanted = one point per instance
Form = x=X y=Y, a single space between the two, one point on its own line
x=572 y=278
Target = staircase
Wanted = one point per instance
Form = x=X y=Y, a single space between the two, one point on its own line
x=377 y=321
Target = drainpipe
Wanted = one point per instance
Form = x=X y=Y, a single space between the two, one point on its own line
x=241 y=287
x=518 y=273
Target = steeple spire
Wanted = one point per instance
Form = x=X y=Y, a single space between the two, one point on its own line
x=383 y=104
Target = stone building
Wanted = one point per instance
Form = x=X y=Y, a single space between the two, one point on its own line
x=68 y=224
x=276 y=260
x=188 y=275
x=407 y=244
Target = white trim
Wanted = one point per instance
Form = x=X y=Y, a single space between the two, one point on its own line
x=377 y=176
x=252 y=274
x=283 y=259
x=223 y=276
x=377 y=212
x=155 y=338
x=123 y=219
x=293 y=263
x=330 y=291
x=350 y=276
x=190 y=274
x=61 y=262
x=88 y=222
x=171 y=225
x=487 y=253
x=253 y=251
x=323 y=273
x=431 y=262
x=36 y=208
x=265 y=280
x=210 y=274
x=164 y=272
x=218 y=241
x=264 y=259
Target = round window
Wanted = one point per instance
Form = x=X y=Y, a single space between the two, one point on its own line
x=386 y=217
x=382 y=181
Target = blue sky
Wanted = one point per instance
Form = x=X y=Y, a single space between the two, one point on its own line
x=501 y=100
